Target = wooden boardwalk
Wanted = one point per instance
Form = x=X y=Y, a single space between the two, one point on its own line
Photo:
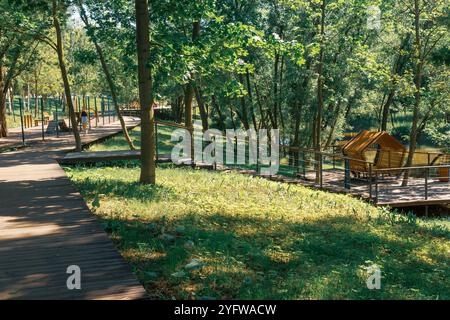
x=390 y=189
x=45 y=227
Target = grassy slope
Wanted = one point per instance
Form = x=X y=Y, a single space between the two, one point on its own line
x=261 y=239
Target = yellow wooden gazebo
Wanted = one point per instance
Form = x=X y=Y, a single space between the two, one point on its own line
x=377 y=147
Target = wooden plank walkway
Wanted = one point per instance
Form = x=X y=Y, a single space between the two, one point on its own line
x=99 y=156
x=390 y=190
x=45 y=227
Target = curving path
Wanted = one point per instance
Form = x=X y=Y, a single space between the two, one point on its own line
x=45 y=227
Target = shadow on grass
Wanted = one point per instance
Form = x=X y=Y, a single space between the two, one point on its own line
x=122 y=189
x=253 y=258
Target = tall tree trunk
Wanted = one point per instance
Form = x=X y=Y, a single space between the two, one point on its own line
x=148 y=148
x=243 y=115
x=250 y=98
x=202 y=108
x=263 y=123
x=335 y=120
x=188 y=99
x=320 y=100
x=280 y=90
x=108 y=76
x=3 y=121
x=418 y=74
x=275 y=92
x=320 y=82
x=216 y=106
x=386 y=108
x=189 y=92
x=397 y=71
x=65 y=78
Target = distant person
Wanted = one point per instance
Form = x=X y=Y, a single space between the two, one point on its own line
x=85 y=121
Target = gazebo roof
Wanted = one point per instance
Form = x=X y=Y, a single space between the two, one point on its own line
x=365 y=139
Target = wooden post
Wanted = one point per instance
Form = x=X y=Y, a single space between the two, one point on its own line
x=376 y=187
x=156 y=141
x=321 y=170
x=96 y=112
x=103 y=109
x=370 y=181
x=109 y=111
x=347 y=174
x=304 y=165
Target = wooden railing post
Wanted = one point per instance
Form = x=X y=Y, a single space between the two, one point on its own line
x=427 y=173
x=321 y=170
x=304 y=165
x=370 y=181
x=347 y=173
x=376 y=187
x=96 y=111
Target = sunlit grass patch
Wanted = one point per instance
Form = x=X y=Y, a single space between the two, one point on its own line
x=257 y=239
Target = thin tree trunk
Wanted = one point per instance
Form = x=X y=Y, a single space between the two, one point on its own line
x=232 y=119
x=280 y=107
x=216 y=106
x=243 y=115
x=108 y=77
x=202 y=108
x=148 y=148
x=398 y=70
x=320 y=82
x=3 y=121
x=417 y=95
x=263 y=123
x=275 y=91
x=189 y=92
x=320 y=85
x=65 y=78
x=333 y=125
x=250 y=97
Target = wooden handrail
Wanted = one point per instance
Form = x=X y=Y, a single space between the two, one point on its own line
x=171 y=124
x=413 y=168
x=297 y=149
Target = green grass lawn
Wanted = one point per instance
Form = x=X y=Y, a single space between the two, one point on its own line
x=257 y=239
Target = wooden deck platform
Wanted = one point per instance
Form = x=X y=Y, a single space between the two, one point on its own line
x=45 y=227
x=390 y=189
